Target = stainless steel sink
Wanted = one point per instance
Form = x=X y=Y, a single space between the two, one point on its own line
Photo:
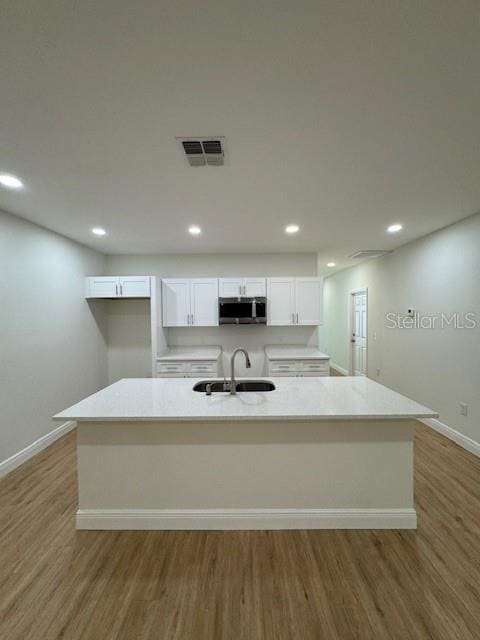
x=255 y=385
x=216 y=386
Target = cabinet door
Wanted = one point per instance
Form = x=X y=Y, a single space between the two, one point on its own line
x=135 y=286
x=255 y=287
x=103 y=287
x=230 y=287
x=308 y=301
x=280 y=301
x=176 y=302
x=204 y=302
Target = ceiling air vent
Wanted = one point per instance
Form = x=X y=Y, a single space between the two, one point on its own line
x=204 y=151
x=363 y=254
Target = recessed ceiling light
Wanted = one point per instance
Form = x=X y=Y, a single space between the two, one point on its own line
x=292 y=228
x=394 y=228
x=98 y=231
x=9 y=181
x=194 y=230
x=331 y=264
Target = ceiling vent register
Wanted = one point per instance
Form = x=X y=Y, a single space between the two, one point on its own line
x=368 y=253
x=204 y=151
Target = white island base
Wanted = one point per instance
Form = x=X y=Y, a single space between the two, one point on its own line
x=264 y=474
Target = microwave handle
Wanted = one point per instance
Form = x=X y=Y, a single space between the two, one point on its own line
x=254 y=308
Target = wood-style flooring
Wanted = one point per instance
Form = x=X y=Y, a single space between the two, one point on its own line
x=56 y=582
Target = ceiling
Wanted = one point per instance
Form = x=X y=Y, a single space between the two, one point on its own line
x=342 y=117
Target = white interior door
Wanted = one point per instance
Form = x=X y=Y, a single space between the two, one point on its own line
x=308 y=301
x=230 y=287
x=135 y=286
x=359 y=333
x=280 y=301
x=204 y=302
x=176 y=302
x=255 y=287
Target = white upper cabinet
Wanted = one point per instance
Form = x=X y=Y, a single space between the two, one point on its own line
x=118 y=287
x=308 y=301
x=190 y=302
x=294 y=301
x=176 y=302
x=102 y=287
x=280 y=301
x=135 y=286
x=230 y=287
x=204 y=302
x=248 y=287
x=255 y=287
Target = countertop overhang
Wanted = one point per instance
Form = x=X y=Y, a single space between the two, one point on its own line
x=173 y=399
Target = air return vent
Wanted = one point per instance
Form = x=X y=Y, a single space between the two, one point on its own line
x=203 y=151
x=363 y=254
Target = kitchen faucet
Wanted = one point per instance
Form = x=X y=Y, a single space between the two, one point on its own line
x=233 y=388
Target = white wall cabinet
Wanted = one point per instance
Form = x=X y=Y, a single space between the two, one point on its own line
x=280 y=301
x=118 y=287
x=190 y=302
x=308 y=301
x=294 y=301
x=248 y=287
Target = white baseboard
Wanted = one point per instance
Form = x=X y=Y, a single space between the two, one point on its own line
x=227 y=519
x=42 y=443
x=463 y=441
x=340 y=369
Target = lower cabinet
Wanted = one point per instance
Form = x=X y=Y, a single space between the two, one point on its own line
x=187 y=369
x=298 y=368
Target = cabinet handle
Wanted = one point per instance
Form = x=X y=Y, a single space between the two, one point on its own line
x=297 y=317
x=121 y=290
x=116 y=289
x=293 y=318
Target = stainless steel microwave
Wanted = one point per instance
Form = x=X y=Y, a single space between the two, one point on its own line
x=242 y=310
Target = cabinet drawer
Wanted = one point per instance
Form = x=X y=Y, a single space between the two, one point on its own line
x=321 y=366
x=284 y=366
x=203 y=367
x=171 y=367
x=314 y=374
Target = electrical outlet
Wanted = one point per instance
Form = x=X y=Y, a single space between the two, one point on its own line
x=378 y=373
x=463 y=409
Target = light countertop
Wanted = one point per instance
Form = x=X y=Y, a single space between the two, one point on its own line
x=294 y=352
x=327 y=398
x=174 y=354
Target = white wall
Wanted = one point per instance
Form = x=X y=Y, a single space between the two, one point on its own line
x=439 y=368
x=52 y=348
x=129 y=352
x=127 y=326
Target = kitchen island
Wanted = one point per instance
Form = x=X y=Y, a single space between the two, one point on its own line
x=314 y=453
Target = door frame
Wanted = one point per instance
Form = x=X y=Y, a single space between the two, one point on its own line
x=351 y=297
